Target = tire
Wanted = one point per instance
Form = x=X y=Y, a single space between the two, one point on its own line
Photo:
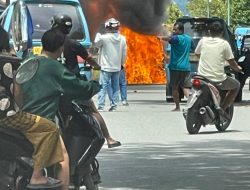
x=223 y=126
x=193 y=122
x=89 y=183
x=21 y=183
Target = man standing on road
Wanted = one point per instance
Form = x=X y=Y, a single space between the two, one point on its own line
x=112 y=55
x=214 y=52
x=179 y=65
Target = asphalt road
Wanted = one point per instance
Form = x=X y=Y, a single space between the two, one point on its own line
x=157 y=153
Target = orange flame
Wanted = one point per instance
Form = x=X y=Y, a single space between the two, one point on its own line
x=144 y=64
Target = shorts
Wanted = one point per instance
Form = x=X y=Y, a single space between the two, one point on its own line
x=228 y=84
x=180 y=78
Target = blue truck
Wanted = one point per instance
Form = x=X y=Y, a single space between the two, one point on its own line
x=27 y=20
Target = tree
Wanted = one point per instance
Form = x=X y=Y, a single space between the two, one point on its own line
x=173 y=13
x=199 y=8
x=240 y=12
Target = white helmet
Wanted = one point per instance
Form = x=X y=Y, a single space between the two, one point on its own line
x=112 y=24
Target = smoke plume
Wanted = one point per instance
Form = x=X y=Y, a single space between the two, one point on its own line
x=143 y=16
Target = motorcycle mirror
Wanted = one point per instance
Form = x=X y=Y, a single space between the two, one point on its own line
x=241 y=59
x=26 y=71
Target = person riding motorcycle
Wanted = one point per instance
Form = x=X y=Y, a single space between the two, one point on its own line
x=42 y=133
x=42 y=98
x=72 y=49
x=214 y=52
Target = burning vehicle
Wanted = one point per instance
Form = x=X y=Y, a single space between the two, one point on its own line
x=141 y=21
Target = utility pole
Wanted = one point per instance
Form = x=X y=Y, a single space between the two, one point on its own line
x=208 y=8
x=228 y=12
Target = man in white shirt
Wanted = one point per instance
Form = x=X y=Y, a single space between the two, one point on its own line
x=112 y=56
x=214 y=52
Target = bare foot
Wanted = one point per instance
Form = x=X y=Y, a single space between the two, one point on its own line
x=111 y=141
x=176 y=109
x=41 y=180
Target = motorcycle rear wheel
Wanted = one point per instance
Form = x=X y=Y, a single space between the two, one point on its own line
x=89 y=183
x=193 y=123
x=224 y=125
x=21 y=183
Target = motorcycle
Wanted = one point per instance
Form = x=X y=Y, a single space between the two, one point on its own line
x=83 y=142
x=203 y=106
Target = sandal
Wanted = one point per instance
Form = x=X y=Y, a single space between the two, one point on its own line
x=117 y=143
x=51 y=183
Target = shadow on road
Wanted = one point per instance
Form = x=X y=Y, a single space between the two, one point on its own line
x=214 y=132
x=242 y=103
x=206 y=165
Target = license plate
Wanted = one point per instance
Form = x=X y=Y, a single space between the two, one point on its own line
x=37 y=50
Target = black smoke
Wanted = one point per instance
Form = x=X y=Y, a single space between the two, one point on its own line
x=143 y=16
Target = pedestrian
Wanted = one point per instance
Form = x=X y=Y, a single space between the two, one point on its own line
x=72 y=49
x=42 y=133
x=112 y=56
x=179 y=64
x=213 y=52
x=123 y=86
x=42 y=98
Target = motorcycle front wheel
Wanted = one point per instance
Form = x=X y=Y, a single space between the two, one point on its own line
x=222 y=126
x=193 y=123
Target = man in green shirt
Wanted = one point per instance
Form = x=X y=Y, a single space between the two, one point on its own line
x=41 y=94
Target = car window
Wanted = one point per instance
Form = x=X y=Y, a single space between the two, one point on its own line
x=196 y=30
x=42 y=14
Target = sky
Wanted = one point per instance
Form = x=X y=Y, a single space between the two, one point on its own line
x=182 y=5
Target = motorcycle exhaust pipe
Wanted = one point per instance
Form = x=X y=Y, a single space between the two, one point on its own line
x=207 y=115
x=202 y=110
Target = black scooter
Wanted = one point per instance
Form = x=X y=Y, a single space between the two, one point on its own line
x=203 y=105
x=83 y=139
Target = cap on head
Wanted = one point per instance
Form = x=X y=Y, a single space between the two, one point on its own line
x=112 y=24
x=62 y=22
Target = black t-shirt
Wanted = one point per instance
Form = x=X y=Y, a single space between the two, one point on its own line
x=72 y=49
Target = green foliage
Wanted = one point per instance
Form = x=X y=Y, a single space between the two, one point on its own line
x=199 y=8
x=240 y=12
x=173 y=13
